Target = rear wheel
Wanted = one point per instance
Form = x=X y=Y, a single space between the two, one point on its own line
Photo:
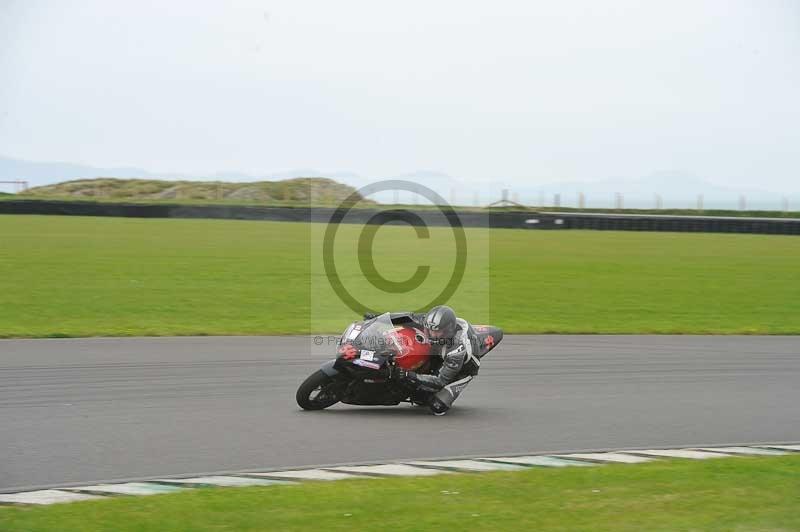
x=317 y=392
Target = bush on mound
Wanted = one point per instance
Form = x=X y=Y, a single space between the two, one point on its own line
x=314 y=190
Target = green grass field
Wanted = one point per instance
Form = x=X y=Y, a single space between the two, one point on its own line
x=742 y=494
x=73 y=276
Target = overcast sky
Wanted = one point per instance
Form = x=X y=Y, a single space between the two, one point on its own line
x=534 y=91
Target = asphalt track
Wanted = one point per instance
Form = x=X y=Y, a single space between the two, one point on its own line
x=90 y=410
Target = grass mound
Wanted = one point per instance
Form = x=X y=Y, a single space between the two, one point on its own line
x=305 y=190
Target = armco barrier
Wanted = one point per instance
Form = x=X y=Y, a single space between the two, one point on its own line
x=639 y=222
x=510 y=220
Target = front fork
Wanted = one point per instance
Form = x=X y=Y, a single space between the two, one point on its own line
x=328 y=369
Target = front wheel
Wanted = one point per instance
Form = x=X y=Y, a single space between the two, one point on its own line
x=317 y=392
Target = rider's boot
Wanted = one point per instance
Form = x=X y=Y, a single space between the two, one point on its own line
x=442 y=400
x=438 y=407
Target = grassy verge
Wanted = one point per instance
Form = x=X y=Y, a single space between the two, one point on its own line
x=740 y=494
x=70 y=276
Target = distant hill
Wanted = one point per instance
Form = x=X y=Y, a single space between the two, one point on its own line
x=304 y=190
x=47 y=173
x=677 y=189
x=37 y=173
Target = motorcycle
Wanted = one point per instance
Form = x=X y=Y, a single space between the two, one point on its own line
x=368 y=352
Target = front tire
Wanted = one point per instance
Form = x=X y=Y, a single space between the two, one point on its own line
x=316 y=392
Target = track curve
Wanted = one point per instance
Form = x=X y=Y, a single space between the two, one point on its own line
x=103 y=409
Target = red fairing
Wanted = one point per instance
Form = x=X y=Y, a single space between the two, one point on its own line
x=416 y=350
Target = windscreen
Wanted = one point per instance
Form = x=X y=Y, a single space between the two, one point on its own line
x=378 y=335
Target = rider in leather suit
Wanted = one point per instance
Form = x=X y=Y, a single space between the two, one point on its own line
x=452 y=339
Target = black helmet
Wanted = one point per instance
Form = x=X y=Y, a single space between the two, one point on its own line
x=440 y=322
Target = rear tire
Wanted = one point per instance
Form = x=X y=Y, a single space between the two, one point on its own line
x=316 y=392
